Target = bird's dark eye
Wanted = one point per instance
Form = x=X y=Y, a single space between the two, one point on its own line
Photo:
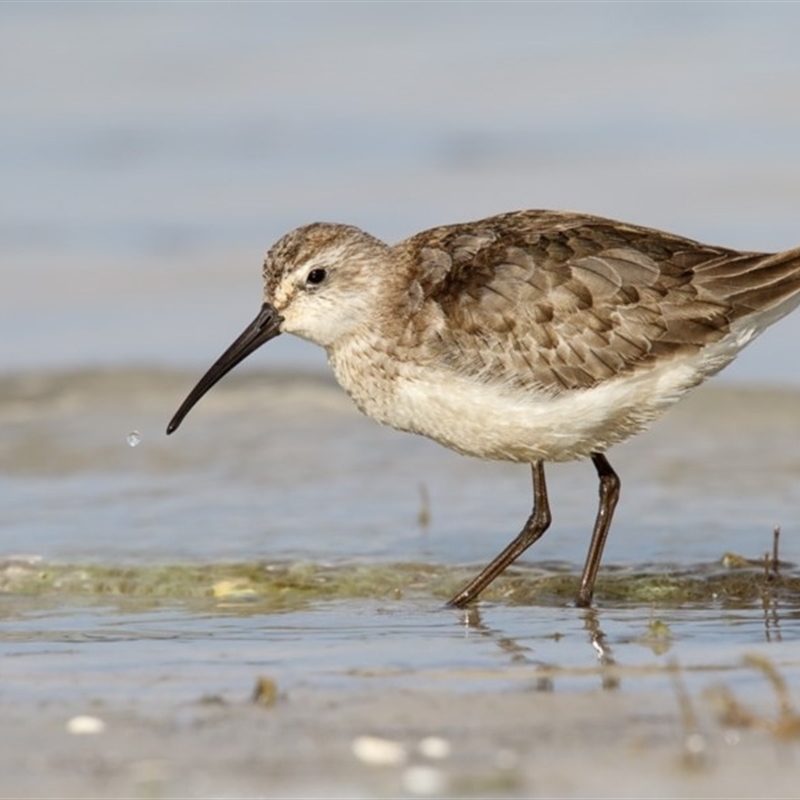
x=316 y=276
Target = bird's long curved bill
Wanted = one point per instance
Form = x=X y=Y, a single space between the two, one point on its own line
x=264 y=327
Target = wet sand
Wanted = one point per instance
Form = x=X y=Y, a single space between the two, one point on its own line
x=516 y=743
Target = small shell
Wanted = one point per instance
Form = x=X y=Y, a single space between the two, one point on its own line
x=381 y=752
x=85 y=724
x=434 y=747
x=424 y=780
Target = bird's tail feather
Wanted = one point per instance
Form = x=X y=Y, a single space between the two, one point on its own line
x=759 y=284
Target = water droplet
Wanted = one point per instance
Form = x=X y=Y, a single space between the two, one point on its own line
x=133 y=438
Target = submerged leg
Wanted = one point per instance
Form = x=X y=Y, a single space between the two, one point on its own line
x=537 y=524
x=609 y=495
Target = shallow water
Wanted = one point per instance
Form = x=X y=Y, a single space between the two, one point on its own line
x=278 y=520
x=280 y=465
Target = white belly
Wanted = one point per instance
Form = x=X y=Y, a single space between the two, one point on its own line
x=495 y=421
x=490 y=422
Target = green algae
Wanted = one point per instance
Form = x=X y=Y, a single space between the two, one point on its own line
x=258 y=586
x=264 y=586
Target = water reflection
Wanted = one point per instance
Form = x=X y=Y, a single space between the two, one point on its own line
x=520 y=654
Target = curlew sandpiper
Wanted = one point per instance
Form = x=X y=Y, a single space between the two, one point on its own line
x=531 y=336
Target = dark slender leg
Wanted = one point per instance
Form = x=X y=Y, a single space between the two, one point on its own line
x=537 y=524
x=609 y=494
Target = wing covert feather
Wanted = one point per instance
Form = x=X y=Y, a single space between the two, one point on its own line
x=563 y=301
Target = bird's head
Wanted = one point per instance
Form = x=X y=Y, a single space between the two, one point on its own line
x=322 y=282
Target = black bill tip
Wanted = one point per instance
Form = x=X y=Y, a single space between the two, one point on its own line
x=264 y=327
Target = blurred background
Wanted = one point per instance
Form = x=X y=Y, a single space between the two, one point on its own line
x=151 y=152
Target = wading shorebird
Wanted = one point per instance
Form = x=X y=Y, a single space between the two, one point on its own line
x=531 y=336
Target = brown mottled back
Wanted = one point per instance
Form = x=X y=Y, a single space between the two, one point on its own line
x=606 y=298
